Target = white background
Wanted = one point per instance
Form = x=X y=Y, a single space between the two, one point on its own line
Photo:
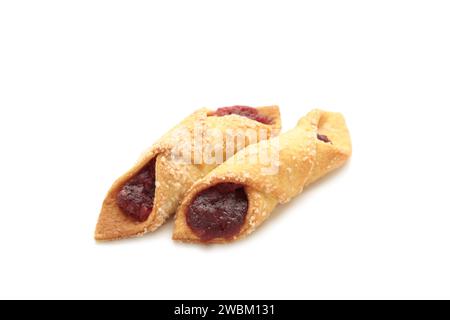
x=86 y=86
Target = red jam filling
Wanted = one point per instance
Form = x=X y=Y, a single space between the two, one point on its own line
x=243 y=111
x=137 y=195
x=218 y=212
x=323 y=138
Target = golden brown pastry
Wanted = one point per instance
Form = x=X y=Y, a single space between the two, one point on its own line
x=236 y=197
x=144 y=197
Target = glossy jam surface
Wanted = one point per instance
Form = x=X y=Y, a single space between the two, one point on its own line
x=323 y=138
x=137 y=195
x=243 y=111
x=218 y=212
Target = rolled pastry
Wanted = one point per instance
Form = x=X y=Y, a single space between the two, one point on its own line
x=236 y=197
x=144 y=197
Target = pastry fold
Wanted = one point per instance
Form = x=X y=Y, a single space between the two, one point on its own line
x=319 y=144
x=174 y=176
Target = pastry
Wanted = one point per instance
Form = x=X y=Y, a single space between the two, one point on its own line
x=143 y=198
x=235 y=198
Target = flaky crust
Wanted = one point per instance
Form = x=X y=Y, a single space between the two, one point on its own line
x=173 y=177
x=303 y=159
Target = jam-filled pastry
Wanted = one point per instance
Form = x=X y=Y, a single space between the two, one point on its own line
x=236 y=197
x=150 y=192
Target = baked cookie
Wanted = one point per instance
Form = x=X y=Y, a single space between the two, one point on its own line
x=236 y=197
